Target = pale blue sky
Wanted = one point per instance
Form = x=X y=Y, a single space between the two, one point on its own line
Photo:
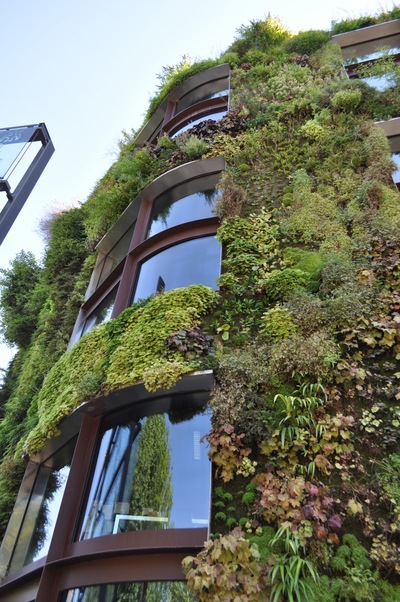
x=87 y=68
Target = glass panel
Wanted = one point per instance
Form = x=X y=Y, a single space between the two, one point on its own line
x=396 y=174
x=194 y=121
x=12 y=143
x=380 y=82
x=168 y=212
x=371 y=50
x=195 y=261
x=41 y=515
x=102 y=313
x=149 y=474
x=372 y=56
x=117 y=254
x=211 y=89
x=151 y=591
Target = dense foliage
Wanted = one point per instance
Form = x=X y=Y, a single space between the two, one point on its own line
x=306 y=326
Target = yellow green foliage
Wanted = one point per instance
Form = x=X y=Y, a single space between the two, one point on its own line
x=120 y=353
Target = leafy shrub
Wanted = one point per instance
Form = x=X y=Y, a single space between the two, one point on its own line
x=193 y=146
x=347 y=100
x=259 y=35
x=226 y=569
x=306 y=311
x=307 y=42
x=280 y=284
x=352 y=24
x=314 y=356
x=277 y=323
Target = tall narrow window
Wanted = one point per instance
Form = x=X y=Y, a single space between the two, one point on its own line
x=42 y=511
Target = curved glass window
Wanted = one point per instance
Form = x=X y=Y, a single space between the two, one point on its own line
x=117 y=254
x=42 y=511
x=149 y=474
x=195 y=261
x=102 y=313
x=168 y=211
x=144 y=591
x=195 y=120
x=371 y=50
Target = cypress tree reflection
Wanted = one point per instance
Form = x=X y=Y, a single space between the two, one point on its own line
x=166 y=591
x=141 y=476
x=151 y=493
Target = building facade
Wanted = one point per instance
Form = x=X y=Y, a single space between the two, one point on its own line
x=270 y=170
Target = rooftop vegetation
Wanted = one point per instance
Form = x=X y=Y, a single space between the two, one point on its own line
x=306 y=326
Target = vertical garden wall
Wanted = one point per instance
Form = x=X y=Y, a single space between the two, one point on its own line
x=305 y=326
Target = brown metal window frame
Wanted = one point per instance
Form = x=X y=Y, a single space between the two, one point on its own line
x=200 y=109
x=120 y=558
x=124 y=276
x=192 y=92
x=372 y=37
x=391 y=127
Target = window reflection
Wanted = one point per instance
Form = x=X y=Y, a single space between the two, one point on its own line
x=195 y=261
x=39 y=522
x=102 y=313
x=211 y=89
x=194 y=121
x=117 y=254
x=381 y=82
x=396 y=174
x=149 y=474
x=152 y=591
x=371 y=56
x=168 y=211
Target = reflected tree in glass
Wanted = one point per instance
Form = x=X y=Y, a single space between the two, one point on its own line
x=167 y=591
x=151 y=485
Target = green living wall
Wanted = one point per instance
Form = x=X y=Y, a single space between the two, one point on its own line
x=303 y=336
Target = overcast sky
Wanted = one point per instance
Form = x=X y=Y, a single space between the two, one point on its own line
x=88 y=68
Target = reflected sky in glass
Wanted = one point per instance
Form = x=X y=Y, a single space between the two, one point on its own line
x=195 y=261
x=150 y=474
x=195 y=206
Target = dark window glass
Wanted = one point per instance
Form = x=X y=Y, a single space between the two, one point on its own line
x=168 y=212
x=195 y=261
x=102 y=313
x=151 y=591
x=149 y=474
x=195 y=120
x=42 y=511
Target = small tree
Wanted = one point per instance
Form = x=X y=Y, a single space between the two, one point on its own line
x=21 y=299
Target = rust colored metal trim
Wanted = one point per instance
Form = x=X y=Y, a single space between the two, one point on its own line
x=150 y=246
x=80 y=467
x=122 y=569
x=104 y=289
x=138 y=236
